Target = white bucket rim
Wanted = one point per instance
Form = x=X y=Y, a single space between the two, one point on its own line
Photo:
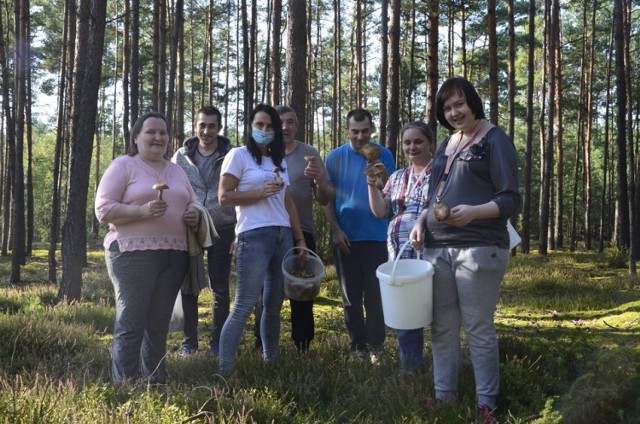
x=396 y=280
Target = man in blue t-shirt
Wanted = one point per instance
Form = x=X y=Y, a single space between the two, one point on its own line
x=359 y=237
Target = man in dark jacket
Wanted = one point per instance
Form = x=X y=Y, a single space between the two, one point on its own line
x=201 y=158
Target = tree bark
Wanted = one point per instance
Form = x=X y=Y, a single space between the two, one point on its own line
x=384 y=69
x=91 y=20
x=57 y=160
x=621 y=125
x=493 y=62
x=394 y=77
x=336 y=99
x=432 y=64
x=605 y=228
x=11 y=140
x=135 y=63
x=247 y=67
x=557 y=239
x=22 y=62
x=276 y=75
x=547 y=162
x=296 y=93
x=127 y=38
x=178 y=34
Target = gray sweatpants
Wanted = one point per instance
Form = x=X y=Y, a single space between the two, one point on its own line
x=465 y=292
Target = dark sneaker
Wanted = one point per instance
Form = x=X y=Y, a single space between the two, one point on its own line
x=488 y=415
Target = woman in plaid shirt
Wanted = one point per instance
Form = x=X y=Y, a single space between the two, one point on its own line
x=402 y=201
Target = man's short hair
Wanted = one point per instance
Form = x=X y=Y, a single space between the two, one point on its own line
x=359 y=115
x=208 y=111
x=286 y=109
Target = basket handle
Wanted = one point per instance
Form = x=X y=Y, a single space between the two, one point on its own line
x=311 y=252
x=395 y=262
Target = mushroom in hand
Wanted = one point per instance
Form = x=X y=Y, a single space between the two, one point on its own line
x=277 y=177
x=441 y=211
x=310 y=158
x=378 y=171
x=370 y=152
x=160 y=187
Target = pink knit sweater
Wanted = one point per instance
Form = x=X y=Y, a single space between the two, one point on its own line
x=129 y=180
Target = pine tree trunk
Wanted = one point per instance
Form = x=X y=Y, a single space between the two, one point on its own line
x=90 y=41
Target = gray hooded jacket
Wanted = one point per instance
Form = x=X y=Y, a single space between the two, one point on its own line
x=207 y=190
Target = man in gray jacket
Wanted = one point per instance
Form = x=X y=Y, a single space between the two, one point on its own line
x=201 y=158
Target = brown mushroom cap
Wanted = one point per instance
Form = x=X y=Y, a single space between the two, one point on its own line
x=370 y=152
x=160 y=186
x=276 y=170
x=375 y=169
x=310 y=158
x=442 y=211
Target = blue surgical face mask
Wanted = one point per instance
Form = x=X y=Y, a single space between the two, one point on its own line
x=262 y=137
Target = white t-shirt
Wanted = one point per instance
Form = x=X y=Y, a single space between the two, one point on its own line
x=263 y=213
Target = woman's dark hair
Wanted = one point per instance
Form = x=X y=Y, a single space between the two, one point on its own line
x=137 y=127
x=276 y=147
x=458 y=85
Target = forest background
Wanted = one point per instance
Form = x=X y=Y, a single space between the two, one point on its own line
x=561 y=77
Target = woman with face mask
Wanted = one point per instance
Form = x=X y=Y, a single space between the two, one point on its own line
x=254 y=179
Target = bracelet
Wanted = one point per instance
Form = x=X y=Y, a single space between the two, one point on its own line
x=298 y=240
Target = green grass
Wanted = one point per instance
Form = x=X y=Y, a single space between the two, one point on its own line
x=567 y=325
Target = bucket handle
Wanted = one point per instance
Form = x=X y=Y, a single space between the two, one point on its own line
x=398 y=256
x=311 y=252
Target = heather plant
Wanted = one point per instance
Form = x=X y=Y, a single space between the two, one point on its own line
x=567 y=328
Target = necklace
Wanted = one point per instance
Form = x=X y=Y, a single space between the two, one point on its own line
x=475 y=131
x=442 y=209
x=412 y=183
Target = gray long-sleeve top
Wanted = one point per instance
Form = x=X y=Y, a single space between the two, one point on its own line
x=487 y=171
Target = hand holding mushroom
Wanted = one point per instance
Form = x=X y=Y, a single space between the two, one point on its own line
x=375 y=171
x=376 y=174
x=156 y=208
x=313 y=170
x=441 y=211
x=160 y=187
x=277 y=177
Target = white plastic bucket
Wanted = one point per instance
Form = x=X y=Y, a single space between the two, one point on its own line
x=406 y=286
x=298 y=288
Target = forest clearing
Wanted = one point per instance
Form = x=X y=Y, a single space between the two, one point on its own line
x=559 y=76
x=567 y=327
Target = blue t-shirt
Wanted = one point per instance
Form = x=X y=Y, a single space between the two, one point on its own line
x=346 y=167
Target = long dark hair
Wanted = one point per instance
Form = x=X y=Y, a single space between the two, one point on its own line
x=276 y=147
x=458 y=85
x=137 y=127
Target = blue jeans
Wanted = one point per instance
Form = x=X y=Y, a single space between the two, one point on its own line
x=219 y=269
x=465 y=293
x=259 y=257
x=411 y=344
x=357 y=274
x=146 y=283
x=302 y=321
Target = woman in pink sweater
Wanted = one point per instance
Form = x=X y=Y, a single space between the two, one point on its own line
x=145 y=248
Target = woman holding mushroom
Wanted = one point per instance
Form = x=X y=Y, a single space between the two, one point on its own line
x=144 y=198
x=267 y=228
x=402 y=200
x=474 y=190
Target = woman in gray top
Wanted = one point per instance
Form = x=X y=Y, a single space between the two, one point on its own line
x=473 y=191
